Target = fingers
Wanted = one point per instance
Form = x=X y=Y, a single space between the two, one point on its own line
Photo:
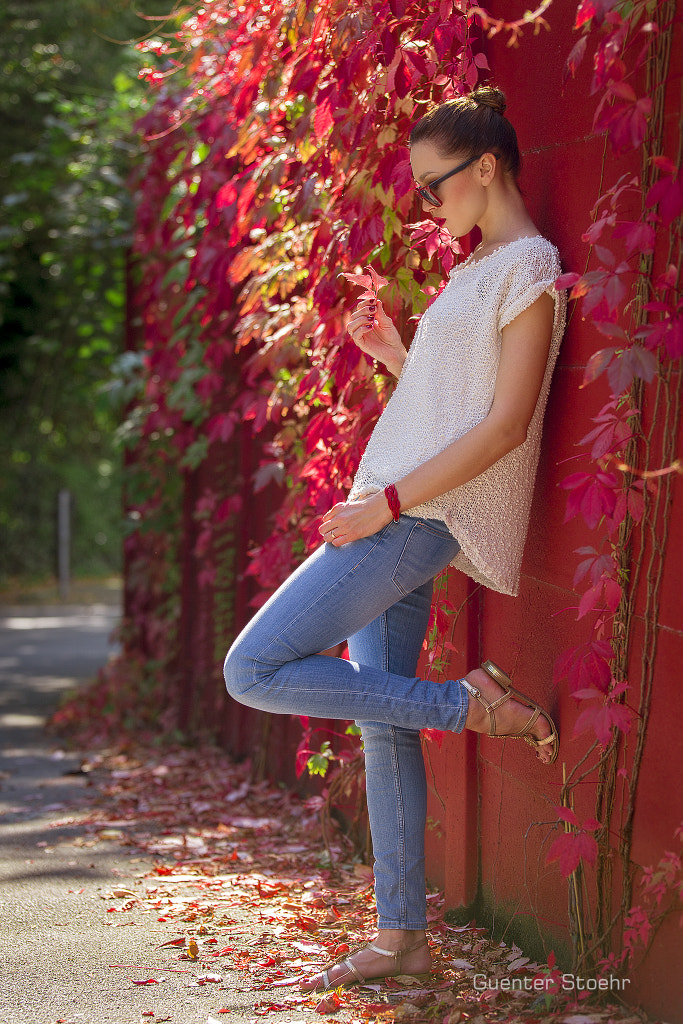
x=332 y=534
x=364 y=317
x=332 y=512
x=331 y=529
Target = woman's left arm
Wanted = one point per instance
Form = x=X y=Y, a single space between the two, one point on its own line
x=523 y=360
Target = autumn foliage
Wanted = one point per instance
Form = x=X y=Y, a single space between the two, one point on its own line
x=275 y=160
x=274 y=168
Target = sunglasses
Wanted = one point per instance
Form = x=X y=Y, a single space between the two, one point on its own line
x=427 y=192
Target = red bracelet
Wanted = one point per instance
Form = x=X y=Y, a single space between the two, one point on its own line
x=393 y=502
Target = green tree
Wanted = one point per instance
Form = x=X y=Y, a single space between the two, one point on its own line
x=68 y=100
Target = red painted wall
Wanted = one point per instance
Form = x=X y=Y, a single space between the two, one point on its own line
x=492 y=838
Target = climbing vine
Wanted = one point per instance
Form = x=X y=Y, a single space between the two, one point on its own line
x=273 y=159
x=632 y=294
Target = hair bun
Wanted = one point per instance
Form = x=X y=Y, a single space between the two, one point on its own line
x=487 y=96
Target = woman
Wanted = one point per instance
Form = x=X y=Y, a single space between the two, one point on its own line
x=447 y=477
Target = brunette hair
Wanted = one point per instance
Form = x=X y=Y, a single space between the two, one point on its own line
x=470 y=125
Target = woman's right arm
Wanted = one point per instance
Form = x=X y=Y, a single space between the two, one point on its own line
x=374 y=333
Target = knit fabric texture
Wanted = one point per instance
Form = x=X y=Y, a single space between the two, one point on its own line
x=447 y=386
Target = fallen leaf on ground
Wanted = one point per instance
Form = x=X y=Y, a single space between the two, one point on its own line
x=329 y=1003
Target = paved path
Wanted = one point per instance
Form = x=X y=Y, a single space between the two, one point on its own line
x=57 y=941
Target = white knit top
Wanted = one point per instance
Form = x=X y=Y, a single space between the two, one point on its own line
x=446 y=387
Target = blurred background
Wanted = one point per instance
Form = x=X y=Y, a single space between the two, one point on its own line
x=69 y=95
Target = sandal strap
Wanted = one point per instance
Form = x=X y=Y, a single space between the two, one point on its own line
x=397 y=952
x=548 y=739
x=489 y=708
x=505 y=682
x=350 y=966
x=529 y=725
x=382 y=952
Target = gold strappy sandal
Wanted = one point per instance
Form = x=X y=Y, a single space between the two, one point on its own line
x=504 y=680
x=354 y=976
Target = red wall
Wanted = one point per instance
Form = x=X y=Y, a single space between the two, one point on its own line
x=492 y=839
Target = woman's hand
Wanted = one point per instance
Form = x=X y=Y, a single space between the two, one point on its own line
x=352 y=520
x=374 y=333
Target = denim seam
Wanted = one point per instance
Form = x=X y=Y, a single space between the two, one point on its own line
x=400 y=812
x=399 y=560
x=448 y=706
x=419 y=525
x=435 y=533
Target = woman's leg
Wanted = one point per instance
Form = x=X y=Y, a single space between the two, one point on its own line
x=397 y=804
x=273 y=664
x=395 y=773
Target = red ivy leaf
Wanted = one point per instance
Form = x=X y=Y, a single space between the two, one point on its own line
x=323 y=119
x=570 y=849
x=668 y=194
x=361 y=280
x=402 y=79
x=598 y=362
x=566 y=281
x=566 y=814
x=638 y=235
x=634 y=361
x=590 y=600
x=574 y=59
x=378 y=282
x=372 y=282
x=603 y=719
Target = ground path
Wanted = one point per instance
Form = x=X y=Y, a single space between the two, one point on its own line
x=165 y=886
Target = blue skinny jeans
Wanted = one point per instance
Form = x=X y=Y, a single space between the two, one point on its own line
x=374 y=593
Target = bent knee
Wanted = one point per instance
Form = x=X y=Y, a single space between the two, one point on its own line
x=238 y=672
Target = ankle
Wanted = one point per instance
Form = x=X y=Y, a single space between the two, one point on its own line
x=477 y=717
x=398 y=938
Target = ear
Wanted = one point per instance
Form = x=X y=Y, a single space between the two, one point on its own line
x=487 y=168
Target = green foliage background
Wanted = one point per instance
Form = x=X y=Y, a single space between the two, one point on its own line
x=68 y=98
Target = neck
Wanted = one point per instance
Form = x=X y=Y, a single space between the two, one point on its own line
x=505 y=219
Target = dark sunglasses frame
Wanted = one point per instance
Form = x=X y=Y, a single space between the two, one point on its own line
x=427 y=193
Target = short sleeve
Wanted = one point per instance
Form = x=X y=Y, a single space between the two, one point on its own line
x=534 y=273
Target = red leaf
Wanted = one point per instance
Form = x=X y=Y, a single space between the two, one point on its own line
x=566 y=281
x=570 y=849
x=590 y=600
x=329 y=1003
x=388 y=40
x=574 y=59
x=402 y=79
x=589 y=693
x=323 y=120
x=613 y=594
x=226 y=195
x=638 y=235
x=361 y=280
x=584 y=13
x=634 y=361
x=566 y=814
x=603 y=719
x=443 y=39
x=598 y=362
x=668 y=194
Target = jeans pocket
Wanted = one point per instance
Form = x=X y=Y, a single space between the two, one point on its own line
x=428 y=549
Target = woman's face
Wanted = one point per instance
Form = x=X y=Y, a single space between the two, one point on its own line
x=463 y=197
